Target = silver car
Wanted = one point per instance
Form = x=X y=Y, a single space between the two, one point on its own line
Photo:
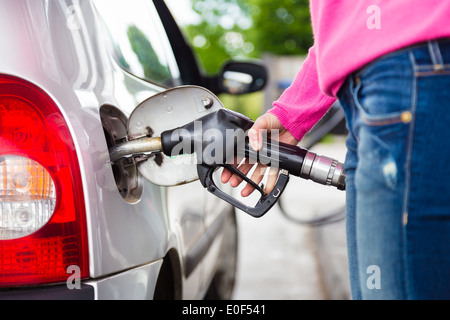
x=73 y=225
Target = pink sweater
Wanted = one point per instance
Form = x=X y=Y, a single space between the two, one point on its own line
x=348 y=34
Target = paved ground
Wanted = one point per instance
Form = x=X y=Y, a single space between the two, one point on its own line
x=283 y=260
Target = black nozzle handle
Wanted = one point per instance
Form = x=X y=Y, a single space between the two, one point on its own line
x=277 y=155
x=190 y=137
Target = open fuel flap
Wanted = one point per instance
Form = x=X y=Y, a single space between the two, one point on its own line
x=166 y=110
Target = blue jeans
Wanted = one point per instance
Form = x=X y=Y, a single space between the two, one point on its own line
x=398 y=174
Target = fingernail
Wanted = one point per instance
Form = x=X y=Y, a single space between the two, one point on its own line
x=253 y=136
x=254 y=145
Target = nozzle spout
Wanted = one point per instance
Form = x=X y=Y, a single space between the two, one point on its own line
x=133 y=147
x=323 y=170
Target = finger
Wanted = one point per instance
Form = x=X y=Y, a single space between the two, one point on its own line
x=244 y=168
x=255 y=132
x=255 y=140
x=256 y=177
x=272 y=177
x=226 y=175
x=267 y=122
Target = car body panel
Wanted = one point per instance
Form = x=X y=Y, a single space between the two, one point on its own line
x=59 y=46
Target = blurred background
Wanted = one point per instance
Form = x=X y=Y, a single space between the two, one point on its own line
x=276 y=32
x=281 y=256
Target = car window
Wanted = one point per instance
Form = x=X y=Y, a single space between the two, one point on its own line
x=139 y=41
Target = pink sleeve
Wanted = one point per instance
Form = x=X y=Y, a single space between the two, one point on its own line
x=302 y=105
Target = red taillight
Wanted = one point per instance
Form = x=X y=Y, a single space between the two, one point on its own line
x=42 y=212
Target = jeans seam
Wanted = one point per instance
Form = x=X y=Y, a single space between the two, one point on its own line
x=429 y=73
x=351 y=90
x=410 y=141
x=429 y=67
x=435 y=54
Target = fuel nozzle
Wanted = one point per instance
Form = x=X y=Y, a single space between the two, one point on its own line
x=204 y=136
x=295 y=160
x=190 y=138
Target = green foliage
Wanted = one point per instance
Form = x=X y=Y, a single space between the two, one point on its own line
x=207 y=45
x=220 y=35
x=281 y=27
x=249 y=28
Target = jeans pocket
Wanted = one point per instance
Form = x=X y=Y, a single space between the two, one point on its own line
x=384 y=99
x=383 y=91
x=383 y=103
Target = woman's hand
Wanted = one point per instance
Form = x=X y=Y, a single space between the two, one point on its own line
x=269 y=123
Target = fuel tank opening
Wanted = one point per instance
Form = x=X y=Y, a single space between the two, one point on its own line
x=126 y=175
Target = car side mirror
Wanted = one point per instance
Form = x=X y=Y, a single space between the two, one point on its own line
x=242 y=77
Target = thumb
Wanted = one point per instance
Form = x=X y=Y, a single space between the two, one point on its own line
x=266 y=122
